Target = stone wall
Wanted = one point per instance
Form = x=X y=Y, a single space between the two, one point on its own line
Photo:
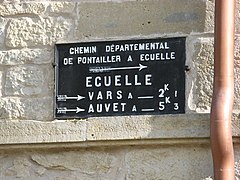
x=34 y=145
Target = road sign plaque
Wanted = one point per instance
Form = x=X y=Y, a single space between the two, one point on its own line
x=116 y=78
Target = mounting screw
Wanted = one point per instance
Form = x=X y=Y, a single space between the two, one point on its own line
x=187 y=68
x=54 y=65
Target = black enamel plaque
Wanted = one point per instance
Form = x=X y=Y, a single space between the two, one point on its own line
x=118 y=78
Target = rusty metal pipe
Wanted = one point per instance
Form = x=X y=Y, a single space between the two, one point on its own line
x=223 y=91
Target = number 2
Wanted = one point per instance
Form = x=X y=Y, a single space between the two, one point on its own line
x=161 y=93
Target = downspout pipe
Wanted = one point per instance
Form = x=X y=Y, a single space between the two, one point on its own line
x=223 y=91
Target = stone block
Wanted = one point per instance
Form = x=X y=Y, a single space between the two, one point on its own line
x=20 y=168
x=187 y=162
x=28 y=80
x=237 y=84
x=90 y=164
x=62 y=7
x=237 y=161
x=237 y=48
x=1 y=83
x=237 y=17
x=200 y=77
x=33 y=32
x=26 y=56
x=15 y=132
x=16 y=8
x=134 y=18
x=201 y=74
x=136 y=162
x=2 y=31
x=236 y=123
x=26 y=108
x=209 y=19
x=148 y=127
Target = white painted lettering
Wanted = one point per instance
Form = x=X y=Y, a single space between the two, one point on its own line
x=172 y=55
x=161 y=46
x=99 y=108
x=129 y=58
x=71 y=50
x=107 y=81
x=166 y=45
x=176 y=93
x=99 y=96
x=90 y=95
x=158 y=56
x=118 y=80
x=90 y=109
x=134 y=108
x=127 y=83
x=107 y=107
x=123 y=106
x=161 y=93
x=109 y=95
x=166 y=87
x=119 y=94
x=137 y=83
x=107 y=48
x=130 y=96
x=97 y=81
x=167 y=100
x=176 y=107
x=161 y=106
x=88 y=81
x=147 y=46
x=98 y=59
x=83 y=50
x=67 y=61
x=115 y=107
x=148 y=80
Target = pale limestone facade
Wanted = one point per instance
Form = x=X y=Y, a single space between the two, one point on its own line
x=171 y=147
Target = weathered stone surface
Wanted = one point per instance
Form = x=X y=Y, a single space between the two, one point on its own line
x=87 y=164
x=26 y=56
x=161 y=146
x=1 y=82
x=148 y=127
x=26 y=108
x=9 y=108
x=28 y=80
x=237 y=72
x=110 y=19
x=20 y=168
x=236 y=123
x=2 y=31
x=36 y=8
x=237 y=170
x=237 y=161
x=32 y=32
x=202 y=74
x=9 y=9
x=237 y=17
x=187 y=162
x=237 y=48
x=15 y=132
x=209 y=19
x=162 y=127
x=62 y=7
x=237 y=85
x=136 y=162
